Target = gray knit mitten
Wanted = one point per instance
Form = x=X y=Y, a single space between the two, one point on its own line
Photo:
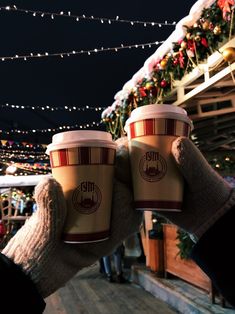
x=38 y=249
x=207 y=195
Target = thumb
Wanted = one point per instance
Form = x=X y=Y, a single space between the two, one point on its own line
x=122 y=165
x=43 y=229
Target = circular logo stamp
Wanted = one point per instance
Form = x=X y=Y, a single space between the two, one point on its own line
x=86 y=198
x=152 y=166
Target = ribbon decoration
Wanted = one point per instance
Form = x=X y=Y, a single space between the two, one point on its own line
x=224 y=5
x=181 y=59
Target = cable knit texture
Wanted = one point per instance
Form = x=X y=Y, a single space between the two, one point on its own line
x=207 y=195
x=38 y=249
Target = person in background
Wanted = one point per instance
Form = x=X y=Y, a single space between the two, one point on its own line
x=117 y=258
x=101 y=266
x=28 y=209
x=34 y=207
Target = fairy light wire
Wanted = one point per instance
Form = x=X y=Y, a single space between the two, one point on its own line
x=51 y=130
x=80 y=52
x=78 y=18
x=51 y=107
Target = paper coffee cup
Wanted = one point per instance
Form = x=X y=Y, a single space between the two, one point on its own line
x=157 y=182
x=83 y=163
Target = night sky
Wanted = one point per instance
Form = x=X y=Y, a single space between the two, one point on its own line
x=76 y=80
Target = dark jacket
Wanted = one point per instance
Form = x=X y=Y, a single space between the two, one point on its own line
x=27 y=299
x=214 y=253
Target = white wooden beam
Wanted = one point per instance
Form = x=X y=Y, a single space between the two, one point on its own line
x=206 y=85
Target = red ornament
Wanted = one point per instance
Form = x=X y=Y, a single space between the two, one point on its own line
x=211 y=26
x=175 y=62
x=163 y=83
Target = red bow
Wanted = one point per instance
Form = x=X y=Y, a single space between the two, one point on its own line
x=181 y=59
x=224 y=5
x=142 y=92
x=204 y=42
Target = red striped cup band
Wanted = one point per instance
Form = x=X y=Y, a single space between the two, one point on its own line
x=82 y=156
x=158 y=126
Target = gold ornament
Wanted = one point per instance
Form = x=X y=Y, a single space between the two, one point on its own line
x=206 y=25
x=197 y=38
x=229 y=54
x=148 y=86
x=163 y=64
x=188 y=36
x=217 y=30
x=195 y=25
x=183 y=45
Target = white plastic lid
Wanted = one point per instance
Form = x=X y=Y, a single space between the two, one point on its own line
x=158 y=111
x=80 y=138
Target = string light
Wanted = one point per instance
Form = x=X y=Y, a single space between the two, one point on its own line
x=23 y=158
x=29 y=154
x=36 y=162
x=23 y=151
x=21 y=146
x=51 y=130
x=80 y=52
x=51 y=107
x=78 y=18
x=27 y=168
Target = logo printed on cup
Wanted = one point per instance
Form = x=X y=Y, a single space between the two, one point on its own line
x=86 y=198
x=152 y=166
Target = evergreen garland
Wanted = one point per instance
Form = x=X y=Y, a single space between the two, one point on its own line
x=185 y=244
x=215 y=26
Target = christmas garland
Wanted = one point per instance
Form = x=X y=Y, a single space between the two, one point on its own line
x=216 y=25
